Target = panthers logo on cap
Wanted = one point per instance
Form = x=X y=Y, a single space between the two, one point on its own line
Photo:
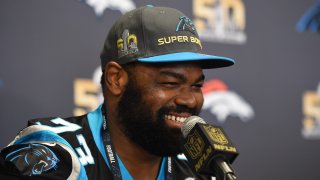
x=186 y=24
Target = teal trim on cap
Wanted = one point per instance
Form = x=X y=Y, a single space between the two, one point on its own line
x=187 y=56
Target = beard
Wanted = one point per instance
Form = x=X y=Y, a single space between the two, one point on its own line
x=148 y=129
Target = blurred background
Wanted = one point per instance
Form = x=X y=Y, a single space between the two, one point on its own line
x=268 y=102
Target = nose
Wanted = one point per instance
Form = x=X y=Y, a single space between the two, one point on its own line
x=187 y=98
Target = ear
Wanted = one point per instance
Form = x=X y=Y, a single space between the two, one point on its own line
x=115 y=78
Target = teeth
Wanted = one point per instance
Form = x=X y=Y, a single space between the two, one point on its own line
x=175 y=118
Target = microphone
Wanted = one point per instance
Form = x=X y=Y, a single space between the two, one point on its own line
x=208 y=149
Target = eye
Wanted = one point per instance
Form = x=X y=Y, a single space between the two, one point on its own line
x=198 y=85
x=169 y=84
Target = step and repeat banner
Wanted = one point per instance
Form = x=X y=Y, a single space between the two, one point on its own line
x=268 y=102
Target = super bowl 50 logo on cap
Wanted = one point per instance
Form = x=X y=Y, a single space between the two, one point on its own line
x=127 y=44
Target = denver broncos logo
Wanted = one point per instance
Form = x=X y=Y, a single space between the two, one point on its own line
x=223 y=103
x=33 y=159
x=100 y=5
x=186 y=24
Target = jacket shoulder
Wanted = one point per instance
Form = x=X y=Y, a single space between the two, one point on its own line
x=37 y=151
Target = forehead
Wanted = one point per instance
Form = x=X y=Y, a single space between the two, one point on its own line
x=188 y=69
x=149 y=73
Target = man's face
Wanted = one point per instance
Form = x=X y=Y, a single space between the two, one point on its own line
x=157 y=99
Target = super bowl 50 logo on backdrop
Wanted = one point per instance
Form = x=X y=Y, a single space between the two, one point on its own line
x=87 y=93
x=311 y=111
x=220 y=20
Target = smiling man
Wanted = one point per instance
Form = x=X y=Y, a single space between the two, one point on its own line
x=152 y=77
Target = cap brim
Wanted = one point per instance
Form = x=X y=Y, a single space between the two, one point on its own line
x=206 y=61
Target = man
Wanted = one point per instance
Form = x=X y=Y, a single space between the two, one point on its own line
x=152 y=77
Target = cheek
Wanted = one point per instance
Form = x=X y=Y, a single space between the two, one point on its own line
x=156 y=99
x=162 y=95
x=199 y=99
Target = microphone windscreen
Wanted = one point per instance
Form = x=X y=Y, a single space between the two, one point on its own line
x=189 y=123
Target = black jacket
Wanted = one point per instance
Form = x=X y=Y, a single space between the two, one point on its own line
x=70 y=148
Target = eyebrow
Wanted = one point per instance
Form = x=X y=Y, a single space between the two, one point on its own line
x=181 y=77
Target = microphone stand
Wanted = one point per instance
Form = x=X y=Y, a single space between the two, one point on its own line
x=223 y=170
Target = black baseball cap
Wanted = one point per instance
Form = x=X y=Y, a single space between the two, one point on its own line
x=157 y=35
